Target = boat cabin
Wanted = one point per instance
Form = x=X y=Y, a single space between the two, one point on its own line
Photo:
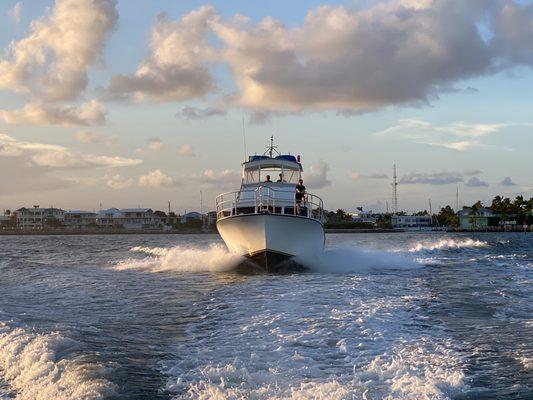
x=282 y=169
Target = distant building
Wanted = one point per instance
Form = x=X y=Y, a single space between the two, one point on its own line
x=109 y=218
x=411 y=221
x=191 y=215
x=77 y=219
x=480 y=219
x=6 y=222
x=139 y=218
x=39 y=218
x=365 y=217
x=211 y=219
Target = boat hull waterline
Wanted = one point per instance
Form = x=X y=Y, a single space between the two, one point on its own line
x=271 y=241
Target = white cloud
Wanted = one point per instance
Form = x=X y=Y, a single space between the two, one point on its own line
x=507 y=181
x=186 y=150
x=14 y=13
x=174 y=70
x=354 y=176
x=51 y=63
x=424 y=132
x=476 y=182
x=436 y=178
x=156 y=179
x=89 y=137
x=155 y=144
x=317 y=177
x=91 y=113
x=117 y=181
x=191 y=113
x=56 y=156
x=221 y=178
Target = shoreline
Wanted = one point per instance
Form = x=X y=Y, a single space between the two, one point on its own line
x=214 y=232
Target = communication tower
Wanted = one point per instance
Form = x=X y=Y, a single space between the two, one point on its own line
x=394 y=185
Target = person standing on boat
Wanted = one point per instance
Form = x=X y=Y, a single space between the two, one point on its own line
x=268 y=179
x=300 y=194
x=280 y=178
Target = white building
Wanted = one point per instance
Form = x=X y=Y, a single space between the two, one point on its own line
x=129 y=218
x=38 y=218
x=190 y=216
x=365 y=217
x=77 y=219
x=411 y=221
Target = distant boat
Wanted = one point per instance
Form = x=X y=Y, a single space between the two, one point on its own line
x=263 y=219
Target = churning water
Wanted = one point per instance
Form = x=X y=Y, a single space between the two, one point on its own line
x=385 y=316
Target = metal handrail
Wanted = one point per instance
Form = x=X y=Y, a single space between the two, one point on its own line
x=263 y=200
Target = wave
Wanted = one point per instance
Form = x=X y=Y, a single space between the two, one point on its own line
x=215 y=258
x=447 y=244
x=37 y=367
x=353 y=259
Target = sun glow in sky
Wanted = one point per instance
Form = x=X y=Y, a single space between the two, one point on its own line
x=139 y=103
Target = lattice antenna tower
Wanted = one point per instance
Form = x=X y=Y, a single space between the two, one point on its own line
x=394 y=185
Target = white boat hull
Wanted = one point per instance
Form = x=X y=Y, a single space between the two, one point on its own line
x=269 y=239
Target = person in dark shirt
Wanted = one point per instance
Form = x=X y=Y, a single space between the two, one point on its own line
x=280 y=178
x=300 y=191
x=268 y=179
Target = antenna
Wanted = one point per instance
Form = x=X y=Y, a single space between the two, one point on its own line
x=387 y=205
x=457 y=199
x=271 y=149
x=201 y=203
x=244 y=137
x=394 y=185
x=169 y=208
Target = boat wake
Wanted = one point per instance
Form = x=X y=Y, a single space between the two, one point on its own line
x=447 y=244
x=42 y=367
x=215 y=258
x=347 y=259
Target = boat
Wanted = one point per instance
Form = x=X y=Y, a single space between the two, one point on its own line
x=263 y=220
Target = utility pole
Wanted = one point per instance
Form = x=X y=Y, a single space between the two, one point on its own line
x=394 y=185
x=387 y=205
x=201 y=203
x=430 y=210
x=457 y=199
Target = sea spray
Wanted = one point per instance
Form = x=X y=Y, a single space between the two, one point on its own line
x=42 y=367
x=447 y=244
x=215 y=258
x=345 y=259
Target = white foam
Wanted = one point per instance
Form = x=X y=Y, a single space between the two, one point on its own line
x=353 y=259
x=446 y=244
x=214 y=258
x=36 y=367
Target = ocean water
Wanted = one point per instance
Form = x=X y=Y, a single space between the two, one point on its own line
x=379 y=316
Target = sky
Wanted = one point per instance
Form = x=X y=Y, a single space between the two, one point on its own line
x=122 y=104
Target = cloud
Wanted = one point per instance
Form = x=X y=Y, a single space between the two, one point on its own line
x=174 y=70
x=117 y=181
x=458 y=136
x=476 y=182
x=91 y=113
x=56 y=156
x=317 y=177
x=155 y=144
x=191 y=113
x=355 y=59
x=376 y=176
x=156 y=179
x=472 y=172
x=354 y=176
x=14 y=13
x=222 y=178
x=89 y=137
x=52 y=62
x=436 y=178
x=186 y=150
x=507 y=181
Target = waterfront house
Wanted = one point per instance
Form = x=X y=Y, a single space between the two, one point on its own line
x=471 y=219
x=191 y=216
x=411 y=221
x=39 y=218
x=77 y=219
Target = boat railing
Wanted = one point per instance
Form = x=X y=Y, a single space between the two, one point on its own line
x=267 y=200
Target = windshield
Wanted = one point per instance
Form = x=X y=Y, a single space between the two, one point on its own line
x=276 y=175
